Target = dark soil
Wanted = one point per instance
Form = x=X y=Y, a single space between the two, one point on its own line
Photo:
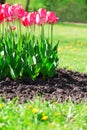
x=65 y=85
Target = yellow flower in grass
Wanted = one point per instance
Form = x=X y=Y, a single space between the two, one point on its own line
x=51 y=124
x=35 y=110
x=1 y=105
x=58 y=113
x=44 y=118
x=30 y=106
x=55 y=102
x=60 y=49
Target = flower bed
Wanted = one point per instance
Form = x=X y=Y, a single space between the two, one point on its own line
x=23 y=55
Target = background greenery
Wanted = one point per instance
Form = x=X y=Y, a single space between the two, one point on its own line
x=67 y=10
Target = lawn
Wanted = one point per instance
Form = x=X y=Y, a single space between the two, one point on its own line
x=36 y=115
x=72 y=46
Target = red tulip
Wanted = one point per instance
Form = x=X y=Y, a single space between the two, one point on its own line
x=25 y=21
x=0 y=7
x=18 y=11
x=1 y=17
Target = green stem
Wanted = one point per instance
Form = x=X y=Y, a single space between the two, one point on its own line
x=42 y=31
x=20 y=29
x=48 y=32
x=51 y=34
x=3 y=28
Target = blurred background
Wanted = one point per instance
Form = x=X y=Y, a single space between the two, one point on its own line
x=67 y=10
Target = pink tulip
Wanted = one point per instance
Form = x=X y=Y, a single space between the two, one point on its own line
x=52 y=19
x=31 y=17
x=25 y=13
x=11 y=10
x=5 y=10
x=38 y=19
x=43 y=16
x=17 y=11
x=42 y=12
x=11 y=13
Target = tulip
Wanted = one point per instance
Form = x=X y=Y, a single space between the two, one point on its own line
x=0 y=7
x=42 y=12
x=18 y=11
x=5 y=10
x=38 y=20
x=1 y=17
x=43 y=16
x=31 y=17
x=25 y=21
x=52 y=19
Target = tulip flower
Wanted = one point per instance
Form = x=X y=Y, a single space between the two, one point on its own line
x=52 y=19
x=43 y=16
x=31 y=17
x=25 y=21
x=18 y=11
x=0 y=7
x=5 y=10
x=38 y=20
x=1 y=17
x=42 y=12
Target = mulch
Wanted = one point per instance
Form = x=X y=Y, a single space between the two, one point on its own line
x=65 y=85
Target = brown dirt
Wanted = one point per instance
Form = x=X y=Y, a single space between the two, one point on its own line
x=65 y=85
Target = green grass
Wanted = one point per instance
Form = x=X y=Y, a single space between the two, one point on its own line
x=72 y=46
x=36 y=115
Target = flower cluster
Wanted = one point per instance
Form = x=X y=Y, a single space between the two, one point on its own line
x=10 y=13
x=23 y=55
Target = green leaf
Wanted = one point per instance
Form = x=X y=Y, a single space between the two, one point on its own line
x=12 y=72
